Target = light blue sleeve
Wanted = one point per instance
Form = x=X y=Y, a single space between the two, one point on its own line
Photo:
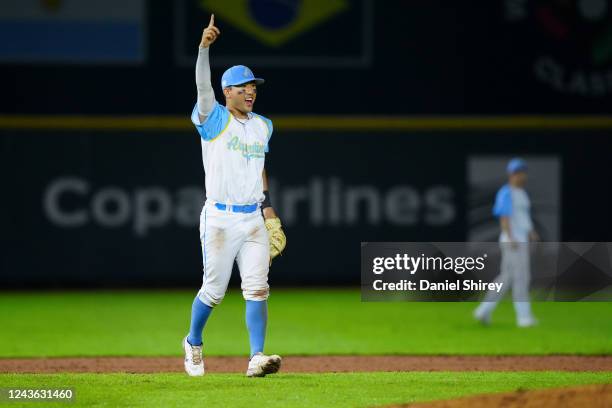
x=215 y=123
x=268 y=123
x=503 y=202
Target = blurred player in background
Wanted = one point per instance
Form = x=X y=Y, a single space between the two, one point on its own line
x=232 y=227
x=513 y=209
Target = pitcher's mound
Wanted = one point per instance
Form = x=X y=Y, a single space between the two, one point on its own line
x=592 y=396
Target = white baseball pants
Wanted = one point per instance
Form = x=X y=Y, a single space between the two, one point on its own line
x=227 y=236
x=515 y=271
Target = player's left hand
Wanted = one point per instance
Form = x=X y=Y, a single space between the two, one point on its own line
x=534 y=236
x=278 y=240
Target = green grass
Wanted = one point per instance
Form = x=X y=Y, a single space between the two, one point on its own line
x=289 y=390
x=301 y=322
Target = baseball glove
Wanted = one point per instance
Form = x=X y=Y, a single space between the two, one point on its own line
x=278 y=240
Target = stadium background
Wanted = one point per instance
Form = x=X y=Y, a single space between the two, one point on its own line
x=377 y=113
x=393 y=121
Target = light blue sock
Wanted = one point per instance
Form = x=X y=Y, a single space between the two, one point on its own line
x=199 y=316
x=256 y=320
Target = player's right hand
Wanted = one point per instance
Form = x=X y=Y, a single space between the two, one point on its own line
x=210 y=34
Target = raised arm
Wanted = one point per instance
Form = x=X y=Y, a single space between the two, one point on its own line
x=206 y=95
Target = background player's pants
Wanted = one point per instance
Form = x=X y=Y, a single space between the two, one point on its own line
x=515 y=272
x=228 y=236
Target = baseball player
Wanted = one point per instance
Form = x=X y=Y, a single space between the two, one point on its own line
x=512 y=207
x=232 y=226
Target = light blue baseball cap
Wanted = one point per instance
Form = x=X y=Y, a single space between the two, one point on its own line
x=238 y=75
x=515 y=165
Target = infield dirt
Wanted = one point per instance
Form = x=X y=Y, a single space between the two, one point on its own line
x=313 y=364
x=591 y=396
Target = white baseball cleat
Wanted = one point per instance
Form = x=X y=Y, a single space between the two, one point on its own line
x=260 y=365
x=483 y=317
x=194 y=363
x=529 y=321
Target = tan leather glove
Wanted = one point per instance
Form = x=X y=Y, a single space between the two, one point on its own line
x=277 y=237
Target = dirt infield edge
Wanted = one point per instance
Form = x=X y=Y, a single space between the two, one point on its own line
x=592 y=396
x=312 y=364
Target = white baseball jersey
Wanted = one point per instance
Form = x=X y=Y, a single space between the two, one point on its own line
x=514 y=203
x=233 y=152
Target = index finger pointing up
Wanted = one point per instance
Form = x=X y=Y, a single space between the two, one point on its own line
x=212 y=21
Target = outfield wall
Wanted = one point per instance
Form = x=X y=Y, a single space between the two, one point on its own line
x=99 y=208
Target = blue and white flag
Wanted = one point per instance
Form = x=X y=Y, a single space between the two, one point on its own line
x=72 y=31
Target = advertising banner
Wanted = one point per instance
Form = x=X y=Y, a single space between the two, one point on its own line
x=95 y=208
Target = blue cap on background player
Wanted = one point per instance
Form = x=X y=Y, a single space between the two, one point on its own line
x=238 y=75
x=515 y=165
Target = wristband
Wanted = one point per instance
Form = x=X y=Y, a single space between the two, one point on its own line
x=266 y=202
